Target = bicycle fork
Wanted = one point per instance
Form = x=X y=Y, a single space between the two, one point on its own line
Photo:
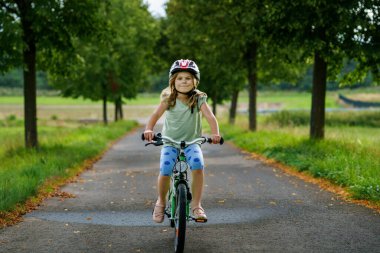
x=173 y=200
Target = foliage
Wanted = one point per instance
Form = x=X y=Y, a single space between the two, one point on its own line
x=13 y=79
x=337 y=30
x=117 y=66
x=55 y=25
x=366 y=42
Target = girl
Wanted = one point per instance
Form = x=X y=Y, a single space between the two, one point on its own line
x=182 y=103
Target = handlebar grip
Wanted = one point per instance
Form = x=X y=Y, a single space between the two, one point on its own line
x=209 y=140
x=155 y=137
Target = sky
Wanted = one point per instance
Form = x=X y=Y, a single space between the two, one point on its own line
x=156 y=7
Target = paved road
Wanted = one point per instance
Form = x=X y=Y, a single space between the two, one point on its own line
x=251 y=208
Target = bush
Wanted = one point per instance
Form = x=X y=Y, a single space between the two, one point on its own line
x=11 y=121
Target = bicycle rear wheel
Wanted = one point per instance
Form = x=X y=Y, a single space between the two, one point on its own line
x=180 y=219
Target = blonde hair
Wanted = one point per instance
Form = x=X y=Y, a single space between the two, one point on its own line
x=169 y=94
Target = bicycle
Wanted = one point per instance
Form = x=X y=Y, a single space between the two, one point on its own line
x=178 y=205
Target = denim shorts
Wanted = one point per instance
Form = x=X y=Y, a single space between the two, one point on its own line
x=169 y=154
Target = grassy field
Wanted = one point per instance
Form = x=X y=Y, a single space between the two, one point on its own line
x=349 y=156
x=62 y=152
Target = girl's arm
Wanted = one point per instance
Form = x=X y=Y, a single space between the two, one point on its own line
x=148 y=133
x=210 y=117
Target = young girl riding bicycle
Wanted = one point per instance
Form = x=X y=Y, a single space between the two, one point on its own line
x=183 y=103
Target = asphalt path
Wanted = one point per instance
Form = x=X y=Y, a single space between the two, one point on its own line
x=251 y=206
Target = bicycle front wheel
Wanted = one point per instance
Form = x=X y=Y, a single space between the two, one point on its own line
x=180 y=219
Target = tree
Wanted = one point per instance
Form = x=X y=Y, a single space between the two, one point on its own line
x=30 y=26
x=323 y=29
x=116 y=67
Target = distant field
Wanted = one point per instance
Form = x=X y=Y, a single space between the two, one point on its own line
x=266 y=100
x=141 y=107
x=279 y=99
x=142 y=99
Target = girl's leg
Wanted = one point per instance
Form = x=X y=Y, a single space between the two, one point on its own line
x=195 y=158
x=197 y=188
x=167 y=161
x=168 y=155
x=163 y=184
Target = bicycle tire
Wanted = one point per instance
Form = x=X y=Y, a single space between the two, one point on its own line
x=180 y=219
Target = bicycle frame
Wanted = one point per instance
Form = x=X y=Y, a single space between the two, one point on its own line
x=177 y=178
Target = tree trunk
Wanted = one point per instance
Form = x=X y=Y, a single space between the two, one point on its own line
x=121 y=115
x=233 y=107
x=251 y=58
x=30 y=93
x=116 y=114
x=105 y=112
x=118 y=109
x=105 y=117
x=317 y=117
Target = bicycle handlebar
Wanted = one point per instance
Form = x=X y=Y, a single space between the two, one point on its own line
x=159 y=140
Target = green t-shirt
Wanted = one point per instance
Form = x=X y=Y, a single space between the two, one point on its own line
x=182 y=125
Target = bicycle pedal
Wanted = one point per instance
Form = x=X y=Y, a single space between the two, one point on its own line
x=200 y=220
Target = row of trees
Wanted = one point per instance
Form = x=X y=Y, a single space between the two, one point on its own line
x=268 y=40
x=105 y=50
x=91 y=48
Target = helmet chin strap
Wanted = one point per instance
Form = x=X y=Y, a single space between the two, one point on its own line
x=189 y=94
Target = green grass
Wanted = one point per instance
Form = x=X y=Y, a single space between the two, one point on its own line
x=349 y=156
x=62 y=150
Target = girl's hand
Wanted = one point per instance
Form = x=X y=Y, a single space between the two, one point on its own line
x=148 y=135
x=215 y=138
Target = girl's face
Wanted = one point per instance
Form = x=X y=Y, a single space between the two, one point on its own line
x=184 y=82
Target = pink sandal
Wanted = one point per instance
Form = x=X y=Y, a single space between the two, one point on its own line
x=158 y=213
x=199 y=214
